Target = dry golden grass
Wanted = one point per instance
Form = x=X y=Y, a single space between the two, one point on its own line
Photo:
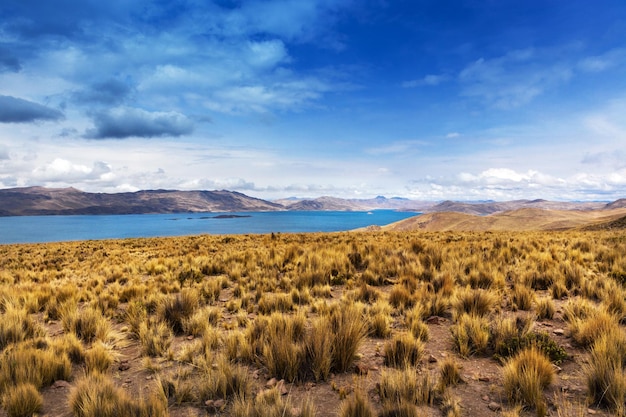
x=22 y=400
x=526 y=375
x=343 y=318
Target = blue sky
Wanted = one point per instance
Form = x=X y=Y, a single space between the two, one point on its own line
x=429 y=100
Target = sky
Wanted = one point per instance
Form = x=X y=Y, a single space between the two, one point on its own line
x=421 y=99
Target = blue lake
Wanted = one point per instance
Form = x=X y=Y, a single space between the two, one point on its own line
x=32 y=229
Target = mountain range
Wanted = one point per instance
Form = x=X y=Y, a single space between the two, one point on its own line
x=65 y=201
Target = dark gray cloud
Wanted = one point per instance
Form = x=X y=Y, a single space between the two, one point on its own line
x=17 y=110
x=109 y=92
x=128 y=122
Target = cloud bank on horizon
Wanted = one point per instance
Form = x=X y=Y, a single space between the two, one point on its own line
x=432 y=100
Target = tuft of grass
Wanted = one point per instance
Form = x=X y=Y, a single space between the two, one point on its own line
x=17 y=325
x=88 y=324
x=379 y=325
x=606 y=381
x=155 y=338
x=470 y=335
x=70 y=344
x=474 y=302
x=319 y=345
x=522 y=297
x=420 y=330
x=401 y=409
x=402 y=350
x=585 y=331
x=450 y=406
x=449 y=372
x=271 y=302
x=509 y=334
x=22 y=400
x=401 y=298
x=558 y=290
x=27 y=364
x=357 y=405
x=398 y=386
x=176 y=309
x=225 y=381
x=96 y=396
x=349 y=329
x=99 y=358
x=268 y=403
x=283 y=357
x=526 y=375
x=545 y=308
x=135 y=315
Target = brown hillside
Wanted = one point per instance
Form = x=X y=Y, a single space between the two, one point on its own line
x=515 y=220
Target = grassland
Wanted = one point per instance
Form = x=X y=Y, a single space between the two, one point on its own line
x=346 y=324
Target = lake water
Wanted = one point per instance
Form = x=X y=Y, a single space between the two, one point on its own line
x=32 y=229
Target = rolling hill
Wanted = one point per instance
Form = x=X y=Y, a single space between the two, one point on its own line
x=524 y=219
x=55 y=201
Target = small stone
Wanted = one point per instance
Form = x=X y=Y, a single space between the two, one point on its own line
x=149 y=377
x=128 y=381
x=374 y=368
x=494 y=406
x=255 y=374
x=361 y=369
x=558 y=332
x=124 y=366
x=190 y=337
x=547 y=324
x=282 y=388
x=483 y=378
x=485 y=398
x=272 y=382
x=309 y=386
x=61 y=384
x=432 y=359
x=219 y=404
x=557 y=369
x=434 y=320
x=591 y=411
x=209 y=403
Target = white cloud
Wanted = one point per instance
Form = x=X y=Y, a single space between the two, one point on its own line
x=512 y=80
x=603 y=62
x=397 y=147
x=63 y=170
x=428 y=80
x=267 y=54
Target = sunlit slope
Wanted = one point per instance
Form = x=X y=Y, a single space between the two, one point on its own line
x=515 y=220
